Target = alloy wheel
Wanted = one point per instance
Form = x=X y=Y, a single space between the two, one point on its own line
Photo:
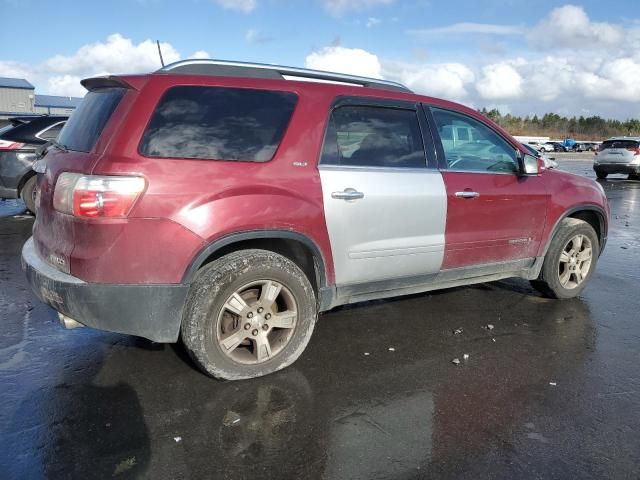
x=257 y=322
x=575 y=261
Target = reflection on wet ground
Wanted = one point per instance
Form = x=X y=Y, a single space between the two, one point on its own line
x=552 y=391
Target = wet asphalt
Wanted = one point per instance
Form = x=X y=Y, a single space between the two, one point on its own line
x=552 y=391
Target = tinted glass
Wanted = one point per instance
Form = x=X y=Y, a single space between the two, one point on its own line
x=619 y=144
x=478 y=149
x=374 y=137
x=82 y=130
x=218 y=123
x=51 y=133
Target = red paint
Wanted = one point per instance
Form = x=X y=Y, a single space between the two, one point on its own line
x=504 y=223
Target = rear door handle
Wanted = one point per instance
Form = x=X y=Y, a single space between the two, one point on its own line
x=467 y=194
x=347 y=194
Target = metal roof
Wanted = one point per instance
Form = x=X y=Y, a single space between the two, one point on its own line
x=226 y=68
x=55 y=101
x=6 y=82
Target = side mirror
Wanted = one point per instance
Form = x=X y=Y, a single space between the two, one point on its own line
x=530 y=165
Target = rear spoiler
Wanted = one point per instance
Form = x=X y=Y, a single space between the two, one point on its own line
x=110 y=81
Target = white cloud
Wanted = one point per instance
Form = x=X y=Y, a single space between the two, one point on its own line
x=61 y=74
x=470 y=28
x=447 y=80
x=244 y=6
x=354 y=61
x=66 y=85
x=339 y=7
x=117 y=55
x=254 y=36
x=200 y=54
x=570 y=27
x=499 y=81
x=15 y=70
x=372 y=22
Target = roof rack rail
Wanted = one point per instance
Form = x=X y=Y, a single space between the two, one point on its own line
x=225 y=68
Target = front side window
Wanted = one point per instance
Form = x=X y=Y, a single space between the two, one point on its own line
x=218 y=123
x=366 y=136
x=470 y=145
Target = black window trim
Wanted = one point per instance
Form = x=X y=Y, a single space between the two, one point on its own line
x=407 y=105
x=169 y=87
x=441 y=159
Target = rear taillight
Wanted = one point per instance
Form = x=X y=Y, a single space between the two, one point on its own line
x=5 y=145
x=636 y=151
x=95 y=196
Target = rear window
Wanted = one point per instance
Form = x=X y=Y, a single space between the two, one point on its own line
x=619 y=144
x=82 y=130
x=218 y=123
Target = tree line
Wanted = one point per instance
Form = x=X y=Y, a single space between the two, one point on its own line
x=554 y=126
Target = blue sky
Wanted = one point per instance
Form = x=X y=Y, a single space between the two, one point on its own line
x=521 y=56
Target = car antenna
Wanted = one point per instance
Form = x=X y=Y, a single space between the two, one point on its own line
x=160 y=53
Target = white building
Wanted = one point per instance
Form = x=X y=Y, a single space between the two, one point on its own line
x=18 y=98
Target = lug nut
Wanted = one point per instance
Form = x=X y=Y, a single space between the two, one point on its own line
x=247 y=326
x=260 y=310
x=255 y=333
x=267 y=316
x=265 y=327
x=250 y=314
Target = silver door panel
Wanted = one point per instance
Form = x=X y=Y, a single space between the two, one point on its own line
x=395 y=230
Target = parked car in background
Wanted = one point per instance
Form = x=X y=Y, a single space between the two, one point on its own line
x=19 y=142
x=587 y=147
x=618 y=155
x=552 y=147
x=227 y=204
x=548 y=161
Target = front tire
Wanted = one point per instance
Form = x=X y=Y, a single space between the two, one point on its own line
x=601 y=175
x=28 y=194
x=248 y=314
x=570 y=260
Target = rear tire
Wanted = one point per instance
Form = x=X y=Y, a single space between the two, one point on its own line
x=601 y=175
x=634 y=176
x=28 y=194
x=570 y=260
x=248 y=314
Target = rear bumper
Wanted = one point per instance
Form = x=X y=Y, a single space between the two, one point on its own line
x=149 y=311
x=626 y=168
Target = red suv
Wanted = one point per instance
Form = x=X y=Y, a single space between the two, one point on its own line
x=229 y=203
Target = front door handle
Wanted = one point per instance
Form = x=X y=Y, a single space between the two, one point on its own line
x=347 y=194
x=467 y=194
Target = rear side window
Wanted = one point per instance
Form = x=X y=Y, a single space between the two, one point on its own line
x=365 y=136
x=619 y=144
x=82 y=130
x=218 y=123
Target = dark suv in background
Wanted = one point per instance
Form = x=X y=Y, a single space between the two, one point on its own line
x=19 y=142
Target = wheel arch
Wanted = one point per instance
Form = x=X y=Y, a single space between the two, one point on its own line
x=299 y=248
x=594 y=215
x=29 y=174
